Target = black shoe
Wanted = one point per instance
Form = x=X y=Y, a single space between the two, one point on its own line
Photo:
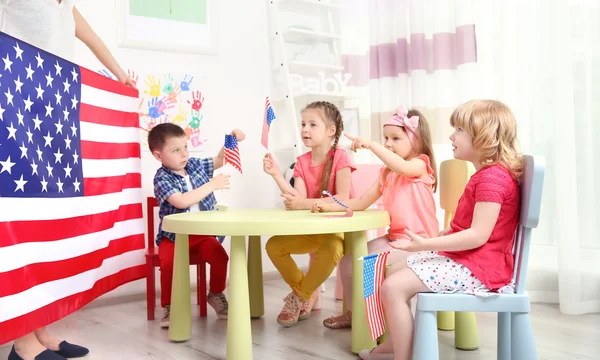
x=44 y=355
x=71 y=351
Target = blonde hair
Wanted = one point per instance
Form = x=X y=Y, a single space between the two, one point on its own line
x=494 y=130
x=422 y=145
x=331 y=116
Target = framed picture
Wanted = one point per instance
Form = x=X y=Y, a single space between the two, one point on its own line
x=351 y=125
x=186 y=26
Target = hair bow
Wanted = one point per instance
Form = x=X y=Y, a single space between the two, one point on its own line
x=400 y=118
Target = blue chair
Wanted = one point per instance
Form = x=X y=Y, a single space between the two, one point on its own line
x=515 y=336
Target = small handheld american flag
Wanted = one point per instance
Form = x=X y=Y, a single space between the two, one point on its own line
x=373 y=275
x=267 y=120
x=232 y=152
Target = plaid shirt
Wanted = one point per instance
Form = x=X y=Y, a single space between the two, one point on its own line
x=167 y=183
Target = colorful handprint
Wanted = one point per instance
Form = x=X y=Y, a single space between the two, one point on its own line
x=156 y=108
x=185 y=83
x=174 y=94
x=176 y=101
x=180 y=116
x=153 y=86
x=168 y=88
x=198 y=100
x=133 y=76
x=196 y=119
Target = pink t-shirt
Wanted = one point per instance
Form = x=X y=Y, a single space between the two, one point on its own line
x=493 y=262
x=410 y=203
x=312 y=174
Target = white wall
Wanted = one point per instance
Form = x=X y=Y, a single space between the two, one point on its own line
x=238 y=79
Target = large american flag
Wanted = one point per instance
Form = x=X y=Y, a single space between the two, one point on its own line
x=232 y=152
x=71 y=223
x=267 y=120
x=373 y=275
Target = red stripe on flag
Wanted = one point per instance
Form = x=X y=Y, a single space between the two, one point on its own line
x=107 y=151
x=18 y=280
x=103 y=116
x=22 y=325
x=111 y=184
x=101 y=82
x=18 y=232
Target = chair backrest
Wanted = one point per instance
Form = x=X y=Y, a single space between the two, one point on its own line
x=151 y=203
x=454 y=176
x=531 y=186
x=363 y=177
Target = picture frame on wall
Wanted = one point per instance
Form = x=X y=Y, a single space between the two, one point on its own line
x=350 y=118
x=184 y=26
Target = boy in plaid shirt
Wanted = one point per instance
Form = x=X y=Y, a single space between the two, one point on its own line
x=185 y=184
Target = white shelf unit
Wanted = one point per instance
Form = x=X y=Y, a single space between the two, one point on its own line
x=303 y=36
x=287 y=68
x=306 y=6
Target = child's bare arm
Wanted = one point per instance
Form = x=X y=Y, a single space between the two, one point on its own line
x=343 y=184
x=367 y=199
x=187 y=199
x=484 y=220
x=271 y=167
x=411 y=168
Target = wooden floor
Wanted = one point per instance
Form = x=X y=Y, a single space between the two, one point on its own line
x=122 y=332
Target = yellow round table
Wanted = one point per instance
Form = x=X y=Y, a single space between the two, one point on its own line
x=247 y=301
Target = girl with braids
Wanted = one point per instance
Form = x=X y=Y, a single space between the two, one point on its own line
x=407 y=182
x=325 y=167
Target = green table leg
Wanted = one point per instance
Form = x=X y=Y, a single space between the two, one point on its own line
x=445 y=320
x=239 y=334
x=180 y=326
x=255 y=277
x=361 y=336
x=466 y=334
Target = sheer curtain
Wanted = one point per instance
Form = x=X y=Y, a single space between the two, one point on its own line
x=541 y=57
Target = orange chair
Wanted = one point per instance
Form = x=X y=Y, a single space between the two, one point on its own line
x=454 y=176
x=152 y=261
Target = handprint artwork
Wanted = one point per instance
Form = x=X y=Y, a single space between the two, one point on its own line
x=186 y=82
x=170 y=98
x=198 y=99
x=153 y=87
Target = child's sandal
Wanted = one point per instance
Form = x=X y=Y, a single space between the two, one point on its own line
x=307 y=306
x=339 y=322
x=291 y=310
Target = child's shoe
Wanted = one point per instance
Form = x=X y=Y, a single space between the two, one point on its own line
x=307 y=306
x=164 y=322
x=219 y=303
x=370 y=355
x=291 y=310
x=342 y=321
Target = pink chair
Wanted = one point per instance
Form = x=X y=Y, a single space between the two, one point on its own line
x=362 y=179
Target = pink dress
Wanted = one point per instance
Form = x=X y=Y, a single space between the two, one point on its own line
x=311 y=175
x=410 y=203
